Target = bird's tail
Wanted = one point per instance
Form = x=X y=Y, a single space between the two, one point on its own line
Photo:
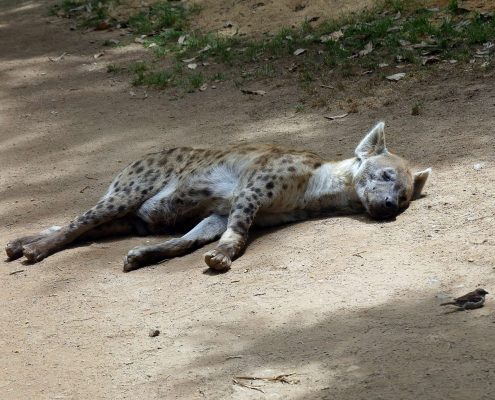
x=449 y=303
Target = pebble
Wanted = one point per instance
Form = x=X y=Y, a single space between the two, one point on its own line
x=154 y=332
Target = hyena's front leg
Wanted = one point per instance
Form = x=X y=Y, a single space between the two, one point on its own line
x=207 y=231
x=105 y=210
x=14 y=248
x=233 y=241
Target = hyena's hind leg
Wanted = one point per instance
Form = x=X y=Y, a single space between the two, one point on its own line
x=207 y=231
x=106 y=210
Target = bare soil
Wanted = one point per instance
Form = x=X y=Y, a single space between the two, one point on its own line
x=347 y=305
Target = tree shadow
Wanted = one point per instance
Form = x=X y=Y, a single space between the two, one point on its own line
x=407 y=349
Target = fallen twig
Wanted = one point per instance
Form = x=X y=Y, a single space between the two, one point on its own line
x=279 y=378
x=333 y=117
x=17 y=272
x=233 y=357
x=247 y=386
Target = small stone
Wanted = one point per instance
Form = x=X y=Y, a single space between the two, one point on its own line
x=154 y=332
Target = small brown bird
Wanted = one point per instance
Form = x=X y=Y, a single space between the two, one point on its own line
x=469 y=301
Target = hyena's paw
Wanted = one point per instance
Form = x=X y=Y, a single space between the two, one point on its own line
x=217 y=260
x=14 y=248
x=133 y=259
x=37 y=251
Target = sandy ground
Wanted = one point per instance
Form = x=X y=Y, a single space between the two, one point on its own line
x=349 y=306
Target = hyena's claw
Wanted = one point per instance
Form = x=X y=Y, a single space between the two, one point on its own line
x=217 y=260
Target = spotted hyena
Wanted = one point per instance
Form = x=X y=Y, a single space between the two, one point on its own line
x=220 y=193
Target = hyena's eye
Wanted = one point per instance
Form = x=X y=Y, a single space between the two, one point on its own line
x=387 y=176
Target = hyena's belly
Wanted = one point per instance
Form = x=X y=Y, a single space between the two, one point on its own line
x=176 y=203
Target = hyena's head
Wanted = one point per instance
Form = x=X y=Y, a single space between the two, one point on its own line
x=383 y=181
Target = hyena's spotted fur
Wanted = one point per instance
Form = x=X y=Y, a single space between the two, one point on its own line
x=227 y=191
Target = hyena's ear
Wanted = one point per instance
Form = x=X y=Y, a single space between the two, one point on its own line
x=373 y=143
x=419 y=182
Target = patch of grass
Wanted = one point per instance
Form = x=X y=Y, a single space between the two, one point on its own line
x=453 y=6
x=396 y=31
x=196 y=80
x=159 y=16
x=115 y=69
x=299 y=107
x=416 y=108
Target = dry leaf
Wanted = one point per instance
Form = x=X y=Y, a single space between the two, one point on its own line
x=298 y=52
x=206 y=48
x=367 y=49
x=203 y=87
x=188 y=60
x=396 y=77
x=192 y=66
x=334 y=117
x=382 y=65
x=59 y=58
x=429 y=60
x=334 y=36
x=98 y=55
x=181 y=39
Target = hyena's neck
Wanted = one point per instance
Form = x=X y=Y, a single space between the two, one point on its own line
x=331 y=187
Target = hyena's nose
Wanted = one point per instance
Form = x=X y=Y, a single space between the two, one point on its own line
x=391 y=204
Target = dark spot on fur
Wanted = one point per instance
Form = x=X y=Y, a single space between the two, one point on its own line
x=180 y=158
x=284 y=186
x=317 y=165
x=269 y=185
x=247 y=210
x=240 y=227
x=144 y=191
x=117 y=190
x=291 y=169
x=139 y=170
x=270 y=194
x=121 y=208
x=111 y=199
x=131 y=183
x=110 y=207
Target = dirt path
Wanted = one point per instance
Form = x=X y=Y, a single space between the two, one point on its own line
x=347 y=305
